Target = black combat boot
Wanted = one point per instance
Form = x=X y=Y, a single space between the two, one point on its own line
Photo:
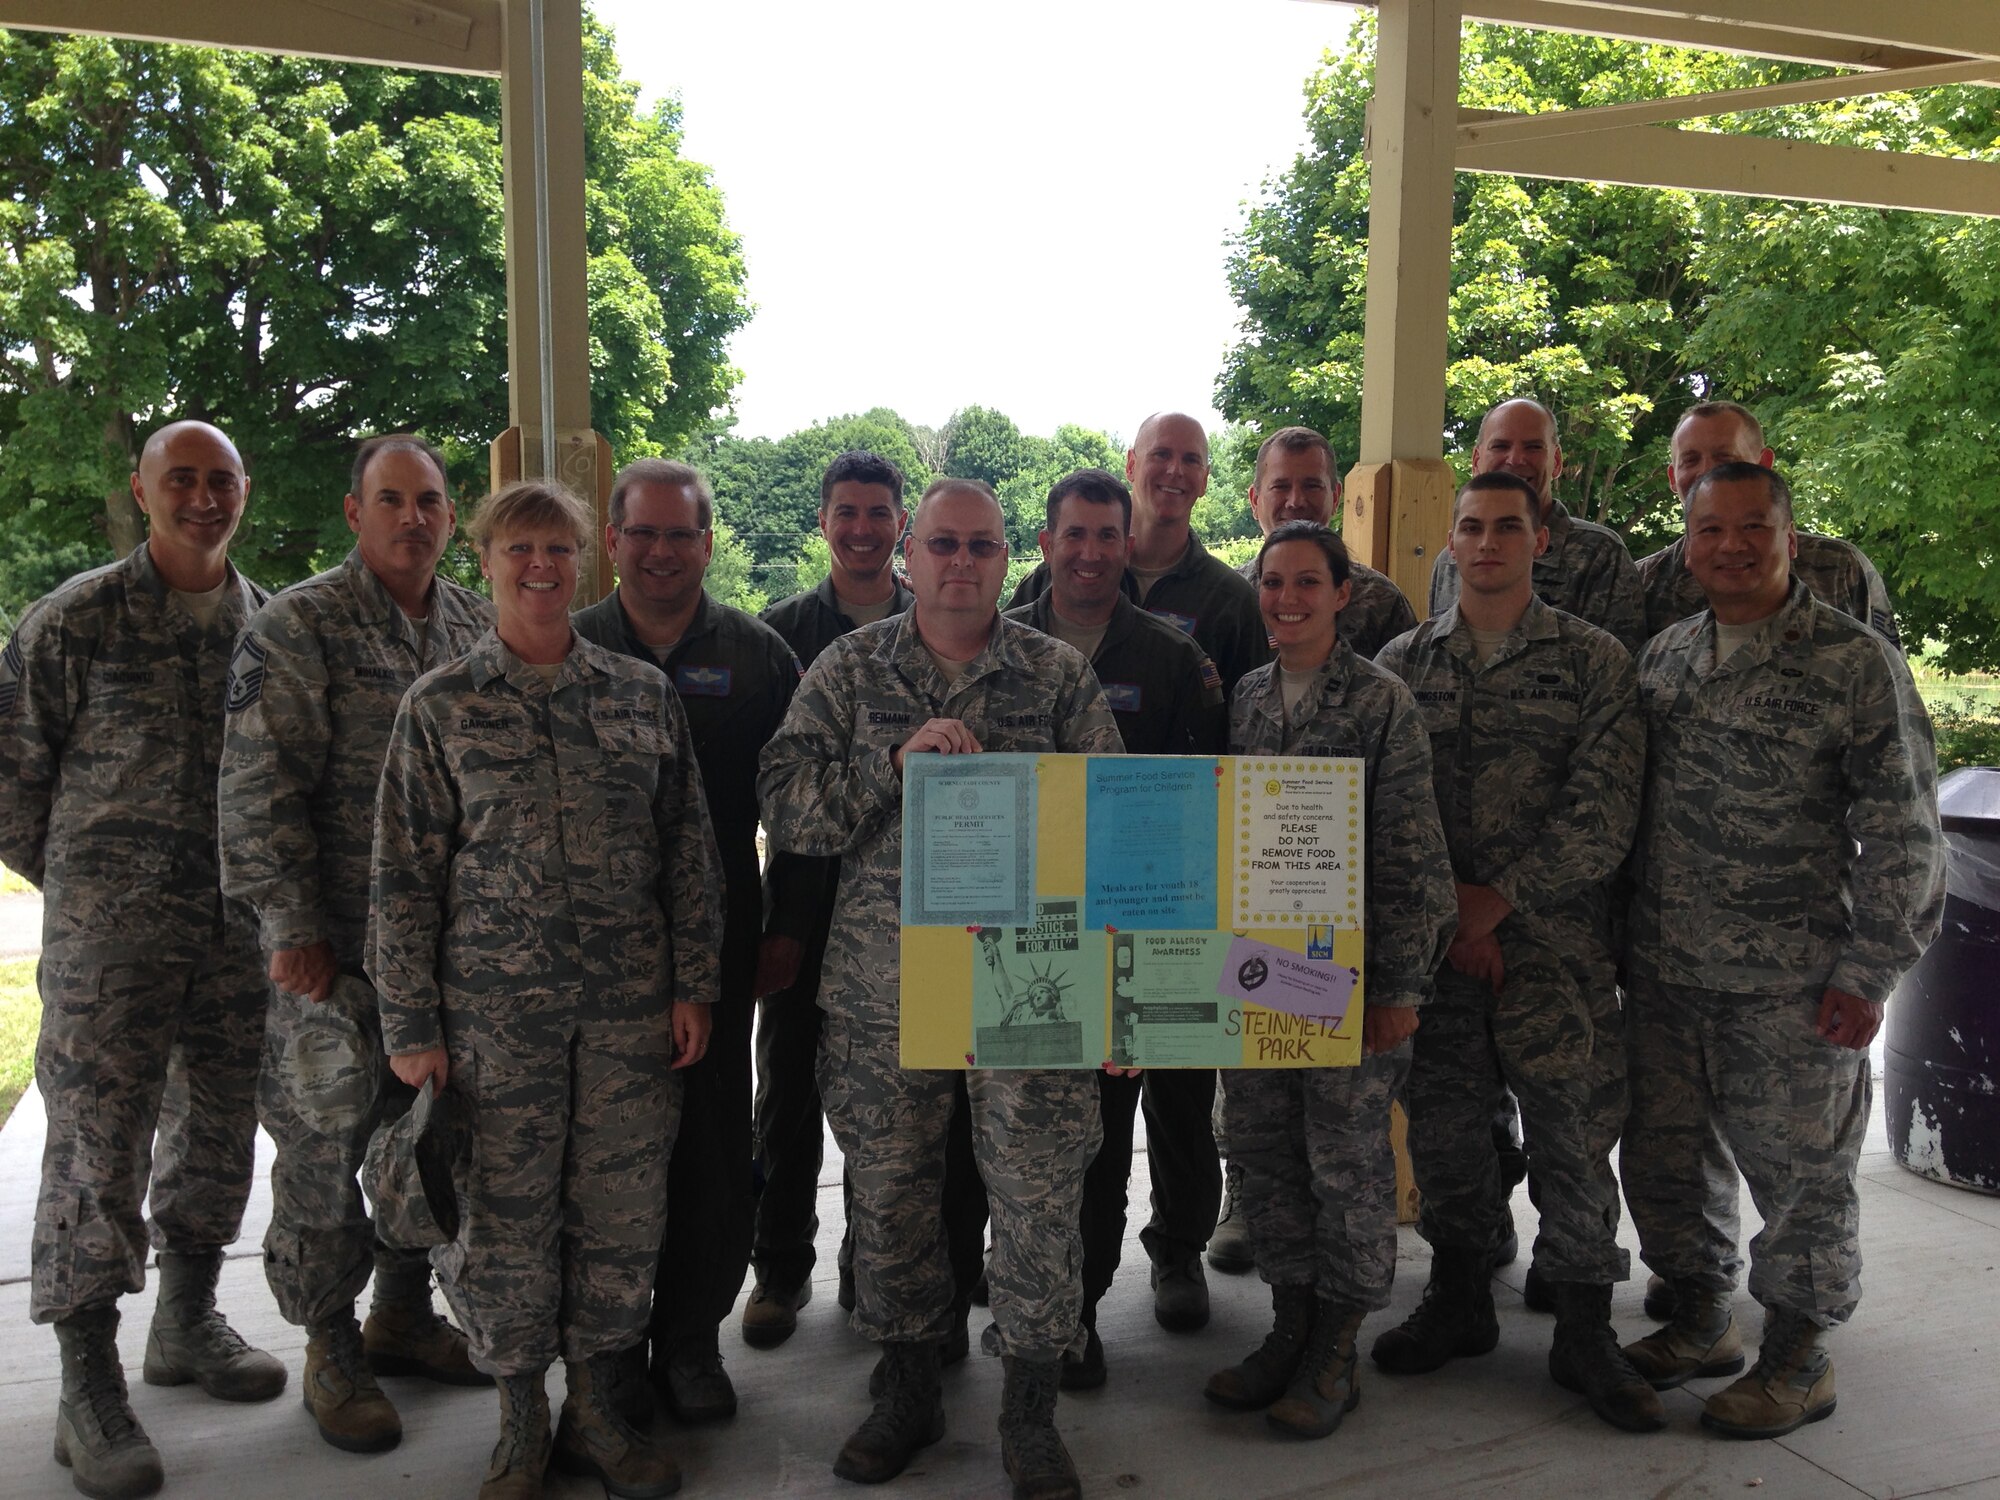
x=909 y=1415
x=98 y=1439
x=1264 y=1373
x=1455 y=1319
x=1585 y=1358
x=190 y=1341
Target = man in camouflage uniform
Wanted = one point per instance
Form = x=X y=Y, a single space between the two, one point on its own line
x=317 y=677
x=544 y=942
x=1167 y=698
x=1297 y=479
x=152 y=993
x=1537 y=753
x=734 y=677
x=1838 y=572
x=948 y=677
x=1319 y=1178
x=1789 y=868
x=1586 y=570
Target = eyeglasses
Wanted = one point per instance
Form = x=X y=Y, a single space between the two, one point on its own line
x=673 y=536
x=981 y=547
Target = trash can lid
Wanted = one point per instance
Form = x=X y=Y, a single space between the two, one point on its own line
x=1969 y=800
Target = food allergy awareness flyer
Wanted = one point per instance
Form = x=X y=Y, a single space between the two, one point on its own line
x=1065 y=911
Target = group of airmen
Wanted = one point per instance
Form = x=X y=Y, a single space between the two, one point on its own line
x=458 y=900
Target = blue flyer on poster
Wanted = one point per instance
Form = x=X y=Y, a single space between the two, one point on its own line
x=1149 y=842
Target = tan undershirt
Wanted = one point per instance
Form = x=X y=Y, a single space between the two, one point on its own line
x=1485 y=643
x=1147 y=577
x=863 y=614
x=204 y=606
x=1086 y=638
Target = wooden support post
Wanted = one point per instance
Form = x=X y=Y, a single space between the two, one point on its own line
x=1399 y=492
x=557 y=350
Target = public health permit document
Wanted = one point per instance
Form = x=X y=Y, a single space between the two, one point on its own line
x=1064 y=911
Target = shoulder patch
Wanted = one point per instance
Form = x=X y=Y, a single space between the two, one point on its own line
x=13 y=667
x=1210 y=676
x=797 y=665
x=246 y=675
x=702 y=682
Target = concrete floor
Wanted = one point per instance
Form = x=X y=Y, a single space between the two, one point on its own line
x=1919 y=1406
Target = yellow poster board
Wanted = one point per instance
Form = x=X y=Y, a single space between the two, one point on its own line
x=1065 y=911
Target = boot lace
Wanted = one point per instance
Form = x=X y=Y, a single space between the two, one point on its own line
x=102 y=1386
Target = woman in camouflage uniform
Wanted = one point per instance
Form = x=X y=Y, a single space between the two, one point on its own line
x=544 y=941
x=1319 y=1181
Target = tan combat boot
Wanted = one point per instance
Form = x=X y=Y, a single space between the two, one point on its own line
x=97 y=1437
x=404 y=1334
x=521 y=1457
x=341 y=1395
x=1031 y=1449
x=594 y=1441
x=190 y=1341
x=1327 y=1386
x=1700 y=1341
x=1790 y=1385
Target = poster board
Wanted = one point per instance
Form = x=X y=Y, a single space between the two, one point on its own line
x=1065 y=911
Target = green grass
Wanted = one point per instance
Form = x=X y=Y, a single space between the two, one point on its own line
x=20 y=1020
x=12 y=884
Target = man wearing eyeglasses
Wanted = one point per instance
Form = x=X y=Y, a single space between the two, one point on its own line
x=948 y=678
x=735 y=676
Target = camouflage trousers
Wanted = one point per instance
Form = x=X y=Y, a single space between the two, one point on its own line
x=561 y=1211
x=147 y=1063
x=1722 y=1083
x=1034 y=1132
x=1553 y=1034
x=1319 y=1179
x=320 y=1247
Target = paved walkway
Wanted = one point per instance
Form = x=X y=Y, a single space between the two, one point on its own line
x=1919 y=1379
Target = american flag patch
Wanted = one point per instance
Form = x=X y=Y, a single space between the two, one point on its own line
x=246 y=675
x=13 y=667
x=1210 y=678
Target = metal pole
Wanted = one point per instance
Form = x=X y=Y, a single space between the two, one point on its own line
x=538 y=85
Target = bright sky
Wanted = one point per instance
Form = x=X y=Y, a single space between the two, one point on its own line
x=1021 y=206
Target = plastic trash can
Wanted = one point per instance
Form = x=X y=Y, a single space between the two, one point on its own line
x=1942 y=1050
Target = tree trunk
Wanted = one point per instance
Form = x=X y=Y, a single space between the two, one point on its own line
x=124 y=522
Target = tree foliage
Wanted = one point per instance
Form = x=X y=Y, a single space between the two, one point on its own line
x=305 y=252
x=1866 y=340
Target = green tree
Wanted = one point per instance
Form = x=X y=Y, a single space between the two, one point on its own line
x=1866 y=340
x=304 y=252
x=1573 y=292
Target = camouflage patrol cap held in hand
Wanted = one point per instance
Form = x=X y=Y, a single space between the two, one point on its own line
x=410 y=1173
x=332 y=1069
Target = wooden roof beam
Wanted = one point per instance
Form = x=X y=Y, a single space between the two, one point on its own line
x=1659 y=156
x=1722 y=102
x=1713 y=36
x=447 y=36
